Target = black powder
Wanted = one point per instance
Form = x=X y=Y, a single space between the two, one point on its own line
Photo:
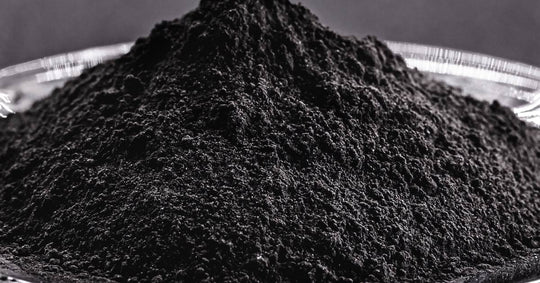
x=246 y=142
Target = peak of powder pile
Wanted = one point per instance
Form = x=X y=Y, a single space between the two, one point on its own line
x=245 y=142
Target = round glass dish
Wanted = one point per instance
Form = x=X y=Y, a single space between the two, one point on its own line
x=513 y=84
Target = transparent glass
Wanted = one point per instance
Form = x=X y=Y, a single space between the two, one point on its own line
x=484 y=77
x=513 y=84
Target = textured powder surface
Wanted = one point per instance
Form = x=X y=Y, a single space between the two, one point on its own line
x=246 y=142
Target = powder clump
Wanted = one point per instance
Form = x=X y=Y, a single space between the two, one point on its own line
x=247 y=142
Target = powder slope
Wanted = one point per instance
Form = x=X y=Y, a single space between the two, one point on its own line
x=245 y=141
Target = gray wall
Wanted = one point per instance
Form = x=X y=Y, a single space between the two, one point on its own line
x=30 y=29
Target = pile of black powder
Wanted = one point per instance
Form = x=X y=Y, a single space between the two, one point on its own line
x=247 y=142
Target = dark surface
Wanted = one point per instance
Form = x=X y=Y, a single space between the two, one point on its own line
x=247 y=142
x=506 y=28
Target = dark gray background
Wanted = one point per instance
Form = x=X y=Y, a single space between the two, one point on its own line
x=508 y=28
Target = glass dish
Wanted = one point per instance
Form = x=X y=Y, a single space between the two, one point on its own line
x=484 y=77
x=513 y=84
x=25 y=83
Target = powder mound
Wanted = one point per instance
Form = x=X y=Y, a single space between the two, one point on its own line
x=247 y=142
